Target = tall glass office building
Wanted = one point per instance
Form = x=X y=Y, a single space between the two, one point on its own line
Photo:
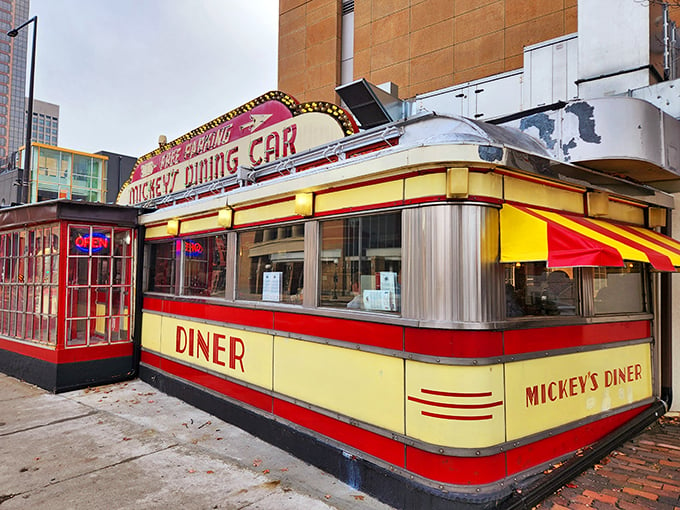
x=13 y=59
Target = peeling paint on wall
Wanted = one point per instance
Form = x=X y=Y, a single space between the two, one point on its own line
x=545 y=126
x=586 y=121
x=490 y=153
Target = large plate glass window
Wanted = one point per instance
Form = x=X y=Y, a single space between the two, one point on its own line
x=360 y=263
x=204 y=265
x=271 y=264
x=162 y=267
x=619 y=289
x=533 y=289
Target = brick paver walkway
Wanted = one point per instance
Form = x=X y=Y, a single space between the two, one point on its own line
x=642 y=474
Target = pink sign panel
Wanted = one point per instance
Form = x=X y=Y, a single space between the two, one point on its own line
x=268 y=128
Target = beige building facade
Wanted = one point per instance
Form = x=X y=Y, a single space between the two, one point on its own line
x=421 y=45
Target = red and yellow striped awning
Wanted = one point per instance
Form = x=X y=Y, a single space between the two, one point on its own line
x=564 y=240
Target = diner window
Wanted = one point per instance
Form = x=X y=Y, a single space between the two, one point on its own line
x=204 y=265
x=162 y=267
x=360 y=263
x=99 y=290
x=29 y=284
x=619 y=289
x=271 y=264
x=533 y=289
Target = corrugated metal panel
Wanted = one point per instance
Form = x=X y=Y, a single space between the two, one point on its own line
x=458 y=278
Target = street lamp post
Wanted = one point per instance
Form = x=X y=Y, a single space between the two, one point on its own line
x=26 y=173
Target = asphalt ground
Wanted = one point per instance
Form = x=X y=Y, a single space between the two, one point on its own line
x=129 y=446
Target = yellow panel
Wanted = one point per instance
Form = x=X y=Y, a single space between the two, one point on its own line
x=151 y=331
x=267 y=212
x=486 y=185
x=199 y=225
x=100 y=322
x=153 y=232
x=532 y=193
x=428 y=185
x=365 y=386
x=356 y=197
x=549 y=392
x=455 y=406
x=239 y=354
x=626 y=212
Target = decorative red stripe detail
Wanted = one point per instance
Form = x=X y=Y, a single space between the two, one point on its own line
x=454 y=417
x=453 y=394
x=346 y=330
x=452 y=343
x=520 y=341
x=228 y=388
x=455 y=406
x=545 y=450
x=379 y=446
x=456 y=470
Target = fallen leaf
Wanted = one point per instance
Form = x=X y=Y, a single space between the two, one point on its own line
x=571 y=485
x=265 y=471
x=358 y=497
x=327 y=496
x=210 y=472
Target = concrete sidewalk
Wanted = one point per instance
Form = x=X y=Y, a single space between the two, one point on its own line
x=128 y=446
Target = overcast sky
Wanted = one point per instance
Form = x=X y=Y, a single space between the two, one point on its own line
x=125 y=71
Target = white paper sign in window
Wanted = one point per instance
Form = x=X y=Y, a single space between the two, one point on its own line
x=271 y=286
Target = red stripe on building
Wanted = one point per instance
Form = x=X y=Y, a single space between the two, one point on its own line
x=452 y=343
x=373 y=444
x=346 y=330
x=219 y=313
x=32 y=351
x=520 y=341
x=545 y=450
x=456 y=470
x=95 y=352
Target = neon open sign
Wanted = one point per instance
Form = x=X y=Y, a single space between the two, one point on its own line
x=96 y=241
x=191 y=248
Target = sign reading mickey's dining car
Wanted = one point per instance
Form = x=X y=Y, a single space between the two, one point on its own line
x=270 y=127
